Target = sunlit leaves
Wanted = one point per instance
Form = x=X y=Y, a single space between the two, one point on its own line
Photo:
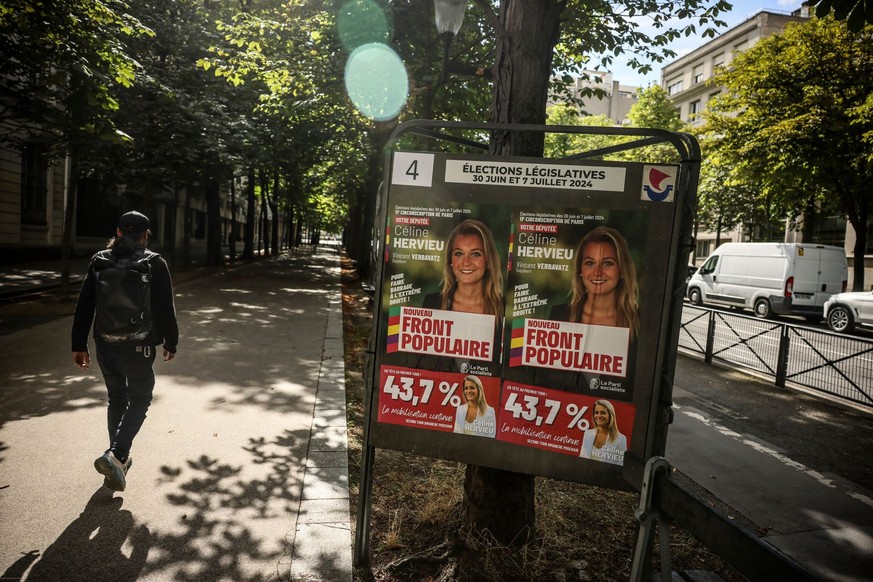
x=79 y=45
x=594 y=34
x=856 y=13
x=793 y=125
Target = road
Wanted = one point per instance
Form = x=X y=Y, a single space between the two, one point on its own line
x=796 y=466
x=837 y=364
x=864 y=332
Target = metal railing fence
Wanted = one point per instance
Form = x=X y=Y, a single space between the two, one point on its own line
x=838 y=365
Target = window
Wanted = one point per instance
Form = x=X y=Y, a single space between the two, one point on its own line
x=717 y=61
x=709 y=266
x=674 y=87
x=34 y=185
x=199 y=220
x=698 y=75
x=694 y=110
x=831 y=230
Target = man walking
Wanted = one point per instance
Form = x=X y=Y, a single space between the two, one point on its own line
x=128 y=296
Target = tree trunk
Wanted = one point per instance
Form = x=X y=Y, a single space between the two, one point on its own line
x=810 y=217
x=522 y=69
x=718 y=232
x=273 y=201
x=249 y=242
x=367 y=234
x=214 y=256
x=502 y=502
x=170 y=228
x=264 y=232
x=186 y=231
x=855 y=201
x=69 y=219
x=232 y=235
x=861 y=234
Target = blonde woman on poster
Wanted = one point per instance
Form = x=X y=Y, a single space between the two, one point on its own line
x=475 y=417
x=472 y=281
x=604 y=288
x=604 y=442
x=603 y=292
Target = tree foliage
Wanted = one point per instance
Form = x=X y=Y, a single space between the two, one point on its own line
x=61 y=64
x=856 y=13
x=561 y=145
x=594 y=34
x=795 y=124
x=654 y=109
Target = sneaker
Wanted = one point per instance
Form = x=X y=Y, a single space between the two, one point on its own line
x=112 y=468
x=125 y=467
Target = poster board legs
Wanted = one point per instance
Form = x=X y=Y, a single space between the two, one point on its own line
x=362 y=525
x=647 y=514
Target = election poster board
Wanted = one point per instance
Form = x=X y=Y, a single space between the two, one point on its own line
x=520 y=309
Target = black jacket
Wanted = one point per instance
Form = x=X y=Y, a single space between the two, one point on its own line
x=165 y=329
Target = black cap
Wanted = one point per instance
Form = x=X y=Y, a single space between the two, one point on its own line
x=133 y=224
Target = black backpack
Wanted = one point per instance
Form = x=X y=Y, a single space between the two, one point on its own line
x=123 y=286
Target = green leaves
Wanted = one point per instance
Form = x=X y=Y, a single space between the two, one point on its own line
x=78 y=46
x=793 y=125
x=856 y=13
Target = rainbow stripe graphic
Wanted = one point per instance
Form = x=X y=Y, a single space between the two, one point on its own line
x=388 y=243
x=511 y=246
x=393 y=328
x=516 y=343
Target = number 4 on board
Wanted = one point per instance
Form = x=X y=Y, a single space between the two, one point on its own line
x=412 y=169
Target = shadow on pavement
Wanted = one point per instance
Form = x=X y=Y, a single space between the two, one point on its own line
x=103 y=543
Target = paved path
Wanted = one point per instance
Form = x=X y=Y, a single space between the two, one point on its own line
x=822 y=521
x=240 y=472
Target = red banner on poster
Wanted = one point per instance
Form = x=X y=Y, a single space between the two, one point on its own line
x=571 y=424
x=445 y=402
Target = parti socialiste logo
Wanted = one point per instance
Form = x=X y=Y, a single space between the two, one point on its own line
x=659 y=183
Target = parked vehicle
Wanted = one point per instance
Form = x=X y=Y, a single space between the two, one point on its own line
x=689 y=272
x=844 y=311
x=771 y=278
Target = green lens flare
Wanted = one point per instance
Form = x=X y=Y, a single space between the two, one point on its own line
x=376 y=81
x=360 y=22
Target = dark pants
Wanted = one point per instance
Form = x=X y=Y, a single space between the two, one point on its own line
x=130 y=379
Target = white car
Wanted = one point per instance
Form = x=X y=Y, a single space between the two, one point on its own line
x=845 y=310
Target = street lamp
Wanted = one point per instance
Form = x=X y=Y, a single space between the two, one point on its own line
x=449 y=15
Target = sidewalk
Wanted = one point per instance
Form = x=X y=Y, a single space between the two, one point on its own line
x=240 y=472
x=820 y=520
x=241 y=469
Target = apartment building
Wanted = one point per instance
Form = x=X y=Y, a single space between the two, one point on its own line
x=685 y=79
x=34 y=193
x=617 y=102
x=686 y=82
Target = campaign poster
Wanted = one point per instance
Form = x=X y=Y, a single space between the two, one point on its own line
x=443 y=343
x=519 y=313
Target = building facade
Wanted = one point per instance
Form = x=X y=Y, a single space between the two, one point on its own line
x=32 y=197
x=685 y=79
x=34 y=193
x=687 y=82
x=615 y=104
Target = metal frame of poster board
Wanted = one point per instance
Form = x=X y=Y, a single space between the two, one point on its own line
x=542 y=372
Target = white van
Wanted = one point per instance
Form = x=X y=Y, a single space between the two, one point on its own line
x=785 y=278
